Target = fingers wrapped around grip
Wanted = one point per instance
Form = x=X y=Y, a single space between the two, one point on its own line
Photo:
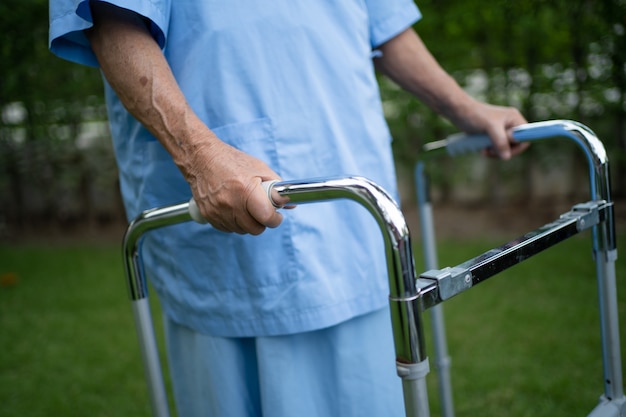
x=262 y=210
x=259 y=211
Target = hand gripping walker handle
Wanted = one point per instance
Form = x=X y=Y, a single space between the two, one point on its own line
x=405 y=300
x=463 y=143
x=194 y=210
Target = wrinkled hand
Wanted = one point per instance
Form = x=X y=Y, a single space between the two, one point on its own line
x=226 y=185
x=497 y=122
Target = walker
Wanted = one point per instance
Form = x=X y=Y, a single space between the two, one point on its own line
x=411 y=295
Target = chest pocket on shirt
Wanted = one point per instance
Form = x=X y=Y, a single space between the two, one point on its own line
x=256 y=138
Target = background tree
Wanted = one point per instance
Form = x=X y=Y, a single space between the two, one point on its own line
x=553 y=59
x=49 y=127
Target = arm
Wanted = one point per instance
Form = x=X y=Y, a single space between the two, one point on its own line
x=225 y=182
x=406 y=60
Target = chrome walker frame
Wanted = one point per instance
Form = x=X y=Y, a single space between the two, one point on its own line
x=410 y=295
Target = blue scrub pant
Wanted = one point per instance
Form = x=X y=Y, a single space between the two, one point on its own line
x=345 y=370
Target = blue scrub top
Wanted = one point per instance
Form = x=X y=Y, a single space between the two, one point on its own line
x=292 y=83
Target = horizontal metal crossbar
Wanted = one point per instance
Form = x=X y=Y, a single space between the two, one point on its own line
x=438 y=285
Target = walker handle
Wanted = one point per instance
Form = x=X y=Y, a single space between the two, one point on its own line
x=194 y=211
x=461 y=143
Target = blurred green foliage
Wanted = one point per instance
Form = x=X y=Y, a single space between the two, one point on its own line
x=56 y=162
x=553 y=59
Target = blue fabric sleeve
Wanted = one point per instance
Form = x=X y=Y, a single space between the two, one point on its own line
x=390 y=18
x=69 y=18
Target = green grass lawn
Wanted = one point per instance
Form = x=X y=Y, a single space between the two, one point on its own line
x=66 y=333
x=524 y=343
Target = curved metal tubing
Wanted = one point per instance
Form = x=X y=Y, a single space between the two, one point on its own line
x=138 y=292
x=604 y=237
x=376 y=200
x=146 y=221
x=583 y=136
x=404 y=298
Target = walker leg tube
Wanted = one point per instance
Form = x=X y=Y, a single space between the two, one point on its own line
x=607 y=290
x=442 y=361
x=150 y=357
x=415 y=397
x=429 y=244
